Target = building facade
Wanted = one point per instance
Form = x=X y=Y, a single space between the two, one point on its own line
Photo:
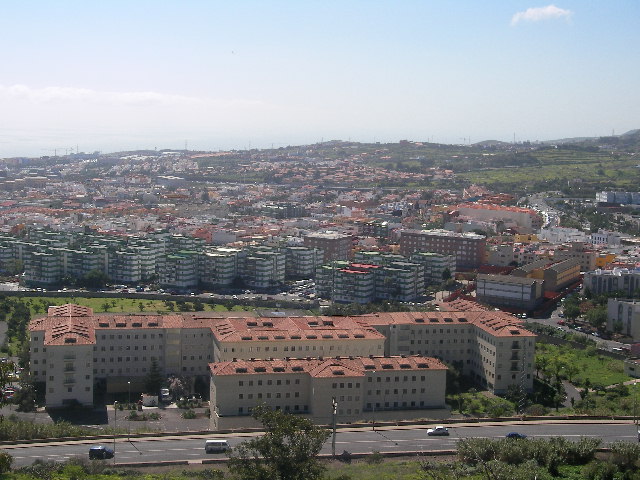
x=469 y=249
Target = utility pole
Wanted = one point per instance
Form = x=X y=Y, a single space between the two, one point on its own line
x=333 y=440
x=115 y=427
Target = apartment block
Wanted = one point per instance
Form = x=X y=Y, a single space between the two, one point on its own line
x=469 y=249
x=435 y=264
x=302 y=262
x=586 y=255
x=624 y=316
x=179 y=271
x=218 y=268
x=262 y=267
x=607 y=281
x=334 y=246
x=364 y=283
x=526 y=219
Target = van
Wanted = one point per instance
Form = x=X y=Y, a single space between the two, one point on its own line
x=216 y=446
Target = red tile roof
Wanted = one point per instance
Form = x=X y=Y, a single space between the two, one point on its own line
x=334 y=367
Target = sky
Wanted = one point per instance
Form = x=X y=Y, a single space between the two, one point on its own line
x=216 y=75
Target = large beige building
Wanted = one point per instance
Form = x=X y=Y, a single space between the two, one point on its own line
x=74 y=352
x=360 y=386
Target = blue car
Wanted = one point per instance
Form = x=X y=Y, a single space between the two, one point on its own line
x=516 y=435
x=100 y=452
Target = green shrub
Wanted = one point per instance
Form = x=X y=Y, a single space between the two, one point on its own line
x=597 y=470
x=5 y=462
x=189 y=414
x=375 y=458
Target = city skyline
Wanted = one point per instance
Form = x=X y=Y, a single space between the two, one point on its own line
x=212 y=75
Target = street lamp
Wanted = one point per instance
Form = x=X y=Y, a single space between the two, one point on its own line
x=333 y=440
x=129 y=416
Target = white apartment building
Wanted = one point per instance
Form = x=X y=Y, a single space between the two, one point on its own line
x=218 y=267
x=608 y=281
x=434 y=265
x=624 y=314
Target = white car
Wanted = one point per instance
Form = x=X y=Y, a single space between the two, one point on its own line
x=438 y=431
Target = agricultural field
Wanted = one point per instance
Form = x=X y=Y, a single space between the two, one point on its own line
x=552 y=169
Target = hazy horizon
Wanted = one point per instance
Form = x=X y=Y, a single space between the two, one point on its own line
x=236 y=75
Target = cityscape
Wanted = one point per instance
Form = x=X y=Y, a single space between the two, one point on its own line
x=319 y=240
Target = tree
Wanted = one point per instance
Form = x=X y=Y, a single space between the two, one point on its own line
x=446 y=274
x=597 y=317
x=153 y=380
x=571 y=311
x=94 y=279
x=287 y=451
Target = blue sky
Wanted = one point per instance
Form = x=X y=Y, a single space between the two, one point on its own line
x=142 y=74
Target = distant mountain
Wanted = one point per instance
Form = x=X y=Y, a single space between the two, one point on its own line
x=490 y=143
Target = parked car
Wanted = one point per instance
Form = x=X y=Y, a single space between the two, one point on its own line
x=438 y=431
x=516 y=435
x=100 y=452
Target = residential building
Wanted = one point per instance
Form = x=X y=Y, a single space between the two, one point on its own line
x=581 y=251
x=624 y=316
x=218 y=268
x=469 y=249
x=302 y=262
x=608 y=281
x=334 y=246
x=526 y=219
x=435 y=265
x=262 y=267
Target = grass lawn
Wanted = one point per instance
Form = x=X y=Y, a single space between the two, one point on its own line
x=599 y=369
x=385 y=470
x=38 y=305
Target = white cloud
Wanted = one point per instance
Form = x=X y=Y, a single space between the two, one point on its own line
x=537 y=14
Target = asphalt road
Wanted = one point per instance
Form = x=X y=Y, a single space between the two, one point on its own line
x=362 y=440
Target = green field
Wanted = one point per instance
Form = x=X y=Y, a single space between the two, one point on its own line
x=559 y=169
x=38 y=305
x=588 y=365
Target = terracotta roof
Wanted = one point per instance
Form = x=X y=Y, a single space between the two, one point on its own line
x=234 y=329
x=334 y=367
x=496 y=323
x=79 y=323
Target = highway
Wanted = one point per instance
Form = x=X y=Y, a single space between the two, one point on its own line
x=355 y=440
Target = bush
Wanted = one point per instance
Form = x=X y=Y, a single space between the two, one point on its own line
x=597 y=470
x=375 y=458
x=189 y=414
x=208 y=474
x=5 y=462
x=625 y=454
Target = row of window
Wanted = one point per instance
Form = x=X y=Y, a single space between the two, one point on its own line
x=268 y=382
